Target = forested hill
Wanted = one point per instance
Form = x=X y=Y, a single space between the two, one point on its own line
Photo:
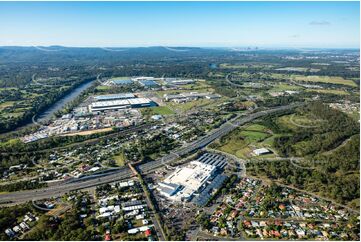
x=331 y=152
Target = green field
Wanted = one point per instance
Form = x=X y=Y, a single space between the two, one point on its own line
x=119 y=159
x=256 y=127
x=160 y=110
x=285 y=87
x=297 y=121
x=6 y=104
x=300 y=69
x=103 y=88
x=241 y=142
x=243 y=66
x=189 y=105
x=355 y=115
x=330 y=91
x=253 y=136
x=315 y=79
x=234 y=66
x=120 y=78
x=200 y=86
x=324 y=79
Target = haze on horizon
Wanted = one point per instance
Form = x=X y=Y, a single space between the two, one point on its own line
x=201 y=24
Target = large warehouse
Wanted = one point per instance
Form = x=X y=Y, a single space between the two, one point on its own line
x=114 y=96
x=175 y=81
x=121 y=104
x=185 y=97
x=184 y=182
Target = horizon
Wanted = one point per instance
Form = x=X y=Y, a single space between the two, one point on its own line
x=181 y=24
x=196 y=47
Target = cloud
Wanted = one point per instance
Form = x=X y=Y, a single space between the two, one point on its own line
x=323 y=23
x=295 y=36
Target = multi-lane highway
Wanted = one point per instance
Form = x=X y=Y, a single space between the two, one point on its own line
x=56 y=190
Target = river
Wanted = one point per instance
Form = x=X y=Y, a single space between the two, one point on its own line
x=48 y=113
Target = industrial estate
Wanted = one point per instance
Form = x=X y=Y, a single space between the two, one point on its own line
x=179 y=143
x=146 y=156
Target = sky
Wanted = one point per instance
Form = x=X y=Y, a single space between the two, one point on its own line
x=203 y=24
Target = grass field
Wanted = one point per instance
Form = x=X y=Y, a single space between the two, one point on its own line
x=241 y=141
x=256 y=127
x=120 y=78
x=103 y=88
x=161 y=110
x=253 y=136
x=199 y=86
x=230 y=66
x=296 y=121
x=314 y=78
x=268 y=142
x=302 y=69
x=6 y=104
x=13 y=114
x=324 y=79
x=330 y=91
x=235 y=147
x=119 y=159
x=189 y=105
x=299 y=69
x=355 y=115
x=243 y=66
x=285 y=87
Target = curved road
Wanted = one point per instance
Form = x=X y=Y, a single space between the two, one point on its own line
x=124 y=173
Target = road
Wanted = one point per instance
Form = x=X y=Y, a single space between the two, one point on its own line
x=124 y=173
x=231 y=83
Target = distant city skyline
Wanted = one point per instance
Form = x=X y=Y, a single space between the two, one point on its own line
x=193 y=24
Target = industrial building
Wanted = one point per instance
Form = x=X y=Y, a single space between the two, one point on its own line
x=261 y=151
x=119 y=101
x=186 y=97
x=195 y=182
x=114 y=97
x=175 y=81
x=118 y=82
x=203 y=198
x=121 y=104
x=184 y=182
x=218 y=161
x=121 y=82
x=143 y=78
x=168 y=189
x=148 y=83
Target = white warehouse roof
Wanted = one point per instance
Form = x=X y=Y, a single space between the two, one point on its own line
x=119 y=104
x=191 y=177
x=261 y=151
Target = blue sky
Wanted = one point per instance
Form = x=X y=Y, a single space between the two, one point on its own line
x=211 y=24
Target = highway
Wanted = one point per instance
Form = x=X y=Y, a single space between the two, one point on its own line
x=124 y=173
